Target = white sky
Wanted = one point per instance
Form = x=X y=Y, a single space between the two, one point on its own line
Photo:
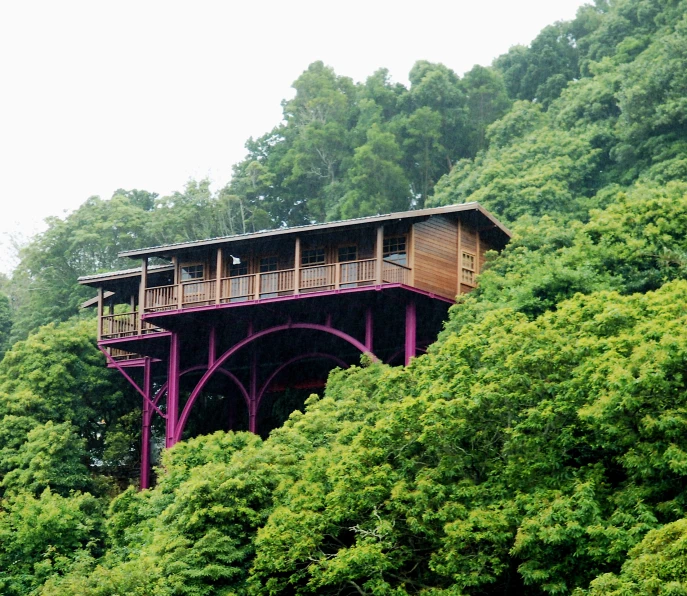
x=96 y=96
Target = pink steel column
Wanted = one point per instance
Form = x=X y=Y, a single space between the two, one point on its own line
x=253 y=395
x=212 y=347
x=172 y=390
x=145 y=431
x=368 y=329
x=411 y=331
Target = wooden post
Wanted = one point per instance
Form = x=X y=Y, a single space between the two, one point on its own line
x=100 y=313
x=142 y=293
x=177 y=281
x=410 y=251
x=337 y=272
x=218 y=289
x=477 y=259
x=297 y=267
x=379 y=250
x=460 y=257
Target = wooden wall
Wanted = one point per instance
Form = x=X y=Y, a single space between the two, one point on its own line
x=435 y=256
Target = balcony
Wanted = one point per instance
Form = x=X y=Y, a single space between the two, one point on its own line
x=244 y=288
x=256 y=286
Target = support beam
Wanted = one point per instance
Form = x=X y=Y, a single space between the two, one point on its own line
x=253 y=395
x=411 y=331
x=379 y=255
x=142 y=293
x=368 y=329
x=172 y=391
x=145 y=430
x=212 y=346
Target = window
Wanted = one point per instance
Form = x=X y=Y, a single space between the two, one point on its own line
x=468 y=269
x=238 y=270
x=192 y=272
x=394 y=250
x=348 y=253
x=268 y=264
x=312 y=256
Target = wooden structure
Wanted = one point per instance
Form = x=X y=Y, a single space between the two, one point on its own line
x=235 y=315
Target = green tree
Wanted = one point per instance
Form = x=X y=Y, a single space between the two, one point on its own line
x=42 y=536
x=52 y=385
x=377 y=181
x=487 y=101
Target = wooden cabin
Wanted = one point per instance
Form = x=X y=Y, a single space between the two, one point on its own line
x=242 y=318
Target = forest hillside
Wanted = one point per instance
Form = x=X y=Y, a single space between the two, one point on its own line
x=539 y=447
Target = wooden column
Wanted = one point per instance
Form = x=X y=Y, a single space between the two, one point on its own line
x=297 y=267
x=460 y=257
x=379 y=255
x=218 y=283
x=177 y=282
x=142 y=293
x=100 y=313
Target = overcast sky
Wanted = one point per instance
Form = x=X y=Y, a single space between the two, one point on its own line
x=97 y=96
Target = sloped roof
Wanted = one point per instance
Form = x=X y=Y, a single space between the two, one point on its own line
x=419 y=213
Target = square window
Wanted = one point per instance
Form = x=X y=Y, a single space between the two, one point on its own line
x=312 y=256
x=238 y=270
x=394 y=250
x=348 y=253
x=192 y=272
x=268 y=264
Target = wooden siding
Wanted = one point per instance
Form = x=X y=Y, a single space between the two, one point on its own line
x=435 y=255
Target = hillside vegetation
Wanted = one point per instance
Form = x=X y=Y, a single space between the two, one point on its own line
x=539 y=447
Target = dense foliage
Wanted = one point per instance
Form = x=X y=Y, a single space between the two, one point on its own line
x=540 y=447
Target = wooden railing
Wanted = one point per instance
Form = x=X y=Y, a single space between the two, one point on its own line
x=274 y=283
x=237 y=289
x=353 y=273
x=318 y=277
x=197 y=293
x=161 y=298
x=393 y=273
x=119 y=325
x=249 y=287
